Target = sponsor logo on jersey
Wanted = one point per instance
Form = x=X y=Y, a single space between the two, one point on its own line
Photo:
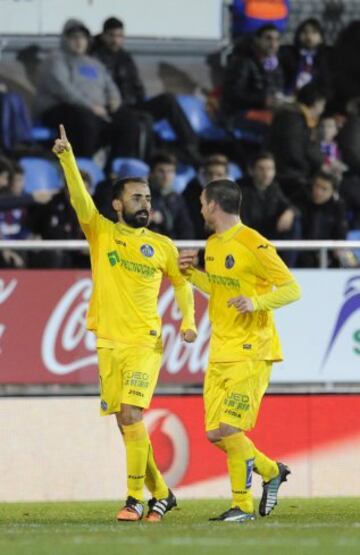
x=209 y=259
x=120 y=242
x=147 y=250
x=229 y=261
x=262 y=246
x=104 y=405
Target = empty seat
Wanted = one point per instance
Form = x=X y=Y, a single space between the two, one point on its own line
x=89 y=166
x=130 y=167
x=40 y=174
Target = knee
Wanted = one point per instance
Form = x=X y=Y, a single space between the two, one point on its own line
x=213 y=436
x=227 y=430
x=129 y=415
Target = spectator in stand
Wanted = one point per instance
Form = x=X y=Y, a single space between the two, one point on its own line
x=265 y=208
x=349 y=144
x=215 y=166
x=57 y=221
x=170 y=215
x=5 y=175
x=323 y=217
x=328 y=131
x=77 y=90
x=308 y=59
x=294 y=141
x=346 y=65
x=109 y=48
x=254 y=78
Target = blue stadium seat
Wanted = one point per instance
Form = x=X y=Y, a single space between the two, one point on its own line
x=184 y=174
x=40 y=133
x=164 y=130
x=354 y=235
x=195 y=111
x=130 y=167
x=40 y=174
x=235 y=171
x=88 y=165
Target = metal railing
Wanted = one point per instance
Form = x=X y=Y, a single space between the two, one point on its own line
x=322 y=246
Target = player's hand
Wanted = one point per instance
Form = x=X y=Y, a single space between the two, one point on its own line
x=62 y=144
x=187 y=259
x=188 y=336
x=242 y=304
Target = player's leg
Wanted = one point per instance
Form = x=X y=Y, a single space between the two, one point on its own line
x=137 y=391
x=232 y=441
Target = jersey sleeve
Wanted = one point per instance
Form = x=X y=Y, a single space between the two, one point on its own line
x=80 y=198
x=199 y=279
x=271 y=268
x=182 y=289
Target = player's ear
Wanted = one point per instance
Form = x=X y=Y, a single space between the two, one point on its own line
x=117 y=205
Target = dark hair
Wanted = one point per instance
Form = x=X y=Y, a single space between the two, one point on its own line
x=5 y=165
x=162 y=158
x=313 y=22
x=226 y=193
x=18 y=169
x=327 y=176
x=263 y=155
x=265 y=28
x=215 y=159
x=310 y=94
x=77 y=27
x=112 y=23
x=119 y=185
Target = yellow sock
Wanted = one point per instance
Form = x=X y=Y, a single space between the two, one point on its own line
x=264 y=466
x=154 y=480
x=240 y=461
x=137 y=449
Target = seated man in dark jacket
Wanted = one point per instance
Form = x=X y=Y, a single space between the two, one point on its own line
x=109 y=48
x=294 y=141
x=169 y=214
x=264 y=207
x=253 y=77
x=323 y=217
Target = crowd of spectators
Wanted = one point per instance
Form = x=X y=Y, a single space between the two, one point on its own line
x=301 y=176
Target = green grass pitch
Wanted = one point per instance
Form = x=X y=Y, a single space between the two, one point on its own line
x=297 y=526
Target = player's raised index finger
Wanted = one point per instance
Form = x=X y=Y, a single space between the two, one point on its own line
x=63 y=136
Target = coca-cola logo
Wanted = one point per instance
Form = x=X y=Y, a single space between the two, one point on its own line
x=67 y=346
x=171 y=444
x=66 y=332
x=5 y=291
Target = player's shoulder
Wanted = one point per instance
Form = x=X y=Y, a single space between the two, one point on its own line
x=252 y=239
x=159 y=239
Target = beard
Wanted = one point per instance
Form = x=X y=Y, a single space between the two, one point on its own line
x=136 y=219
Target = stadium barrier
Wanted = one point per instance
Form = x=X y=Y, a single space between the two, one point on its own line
x=322 y=246
x=60 y=449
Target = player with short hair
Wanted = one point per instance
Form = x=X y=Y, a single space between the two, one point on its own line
x=128 y=263
x=246 y=280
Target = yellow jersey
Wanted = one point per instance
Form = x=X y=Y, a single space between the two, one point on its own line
x=238 y=262
x=128 y=265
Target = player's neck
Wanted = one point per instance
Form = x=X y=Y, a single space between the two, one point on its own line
x=226 y=222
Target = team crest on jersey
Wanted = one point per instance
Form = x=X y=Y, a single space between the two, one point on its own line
x=229 y=261
x=147 y=250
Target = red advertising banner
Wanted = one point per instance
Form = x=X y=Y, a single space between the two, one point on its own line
x=43 y=338
x=315 y=426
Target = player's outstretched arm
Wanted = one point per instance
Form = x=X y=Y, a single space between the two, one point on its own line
x=79 y=196
x=198 y=278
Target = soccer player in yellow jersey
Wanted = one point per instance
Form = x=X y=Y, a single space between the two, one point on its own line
x=128 y=263
x=245 y=280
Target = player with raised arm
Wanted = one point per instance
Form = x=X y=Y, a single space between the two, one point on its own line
x=245 y=280
x=128 y=263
